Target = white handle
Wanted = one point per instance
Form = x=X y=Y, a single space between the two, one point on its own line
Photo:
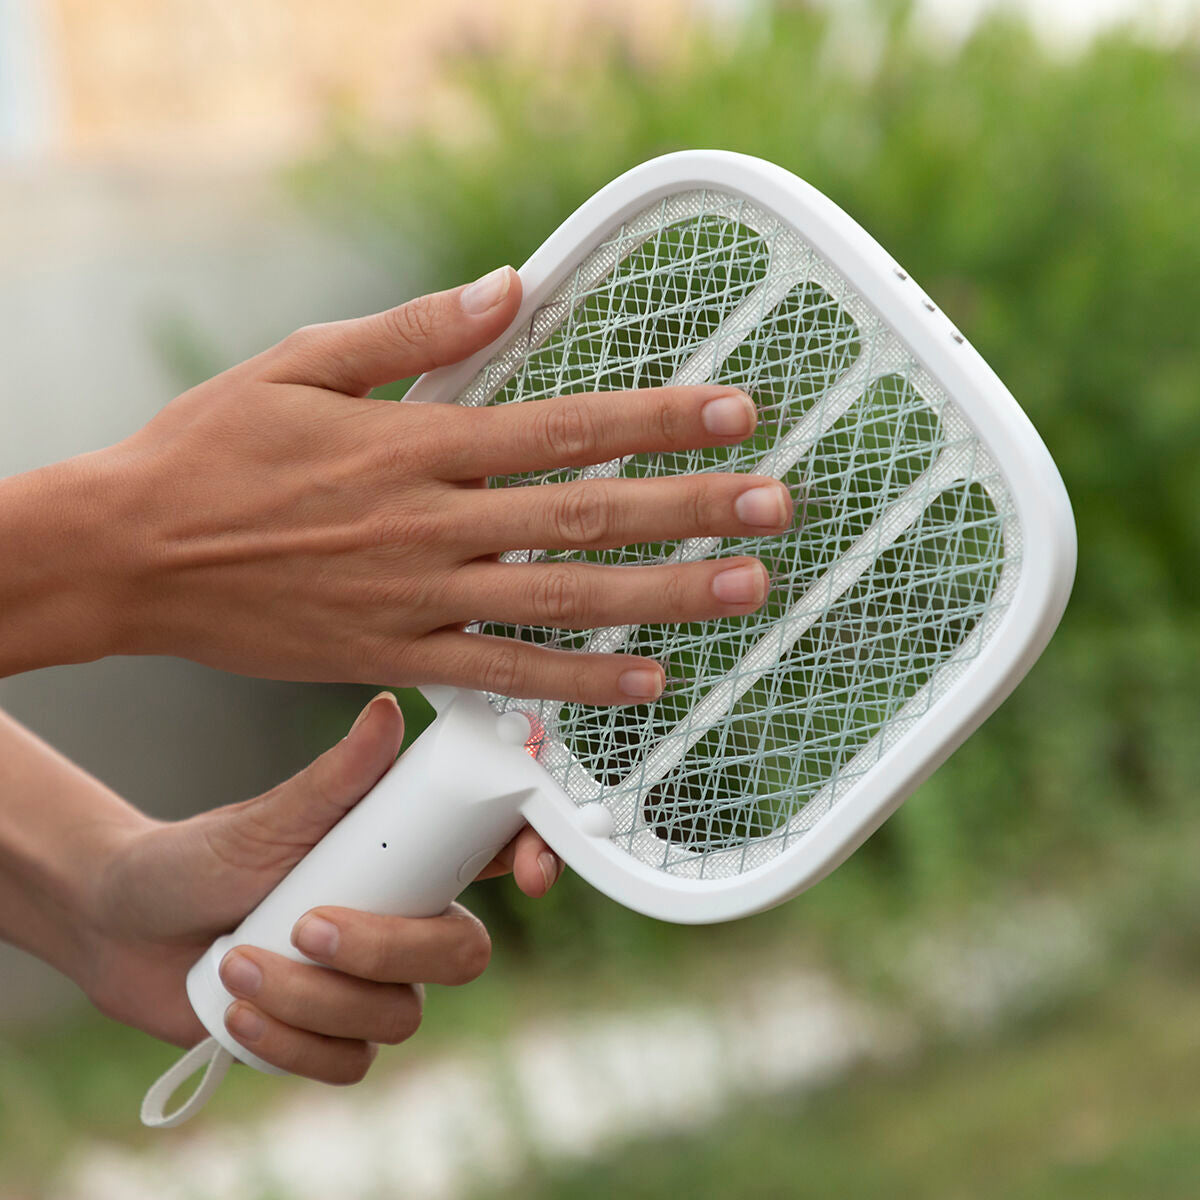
x=407 y=849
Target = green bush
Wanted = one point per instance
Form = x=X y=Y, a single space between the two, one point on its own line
x=1052 y=206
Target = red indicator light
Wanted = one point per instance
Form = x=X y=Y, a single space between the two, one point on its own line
x=536 y=741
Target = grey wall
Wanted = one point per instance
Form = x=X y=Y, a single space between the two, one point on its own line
x=92 y=264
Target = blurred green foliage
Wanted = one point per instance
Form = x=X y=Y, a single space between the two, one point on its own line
x=1052 y=206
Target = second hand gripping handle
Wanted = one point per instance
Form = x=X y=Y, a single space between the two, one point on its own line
x=408 y=848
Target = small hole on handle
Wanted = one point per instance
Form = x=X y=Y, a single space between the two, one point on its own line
x=383 y=844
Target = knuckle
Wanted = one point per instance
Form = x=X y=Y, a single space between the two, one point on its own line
x=390 y=527
x=667 y=419
x=499 y=671
x=557 y=597
x=374 y=958
x=697 y=503
x=583 y=515
x=567 y=430
x=354 y=1064
x=472 y=951
x=302 y=346
x=386 y=594
x=403 y=1018
x=676 y=592
x=303 y=339
x=395 y=456
x=411 y=323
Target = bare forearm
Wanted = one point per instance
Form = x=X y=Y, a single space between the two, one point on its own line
x=61 y=538
x=58 y=826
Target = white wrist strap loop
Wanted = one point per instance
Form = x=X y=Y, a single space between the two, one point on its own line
x=208 y=1054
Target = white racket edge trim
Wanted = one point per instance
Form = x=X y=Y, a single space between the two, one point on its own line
x=1043 y=511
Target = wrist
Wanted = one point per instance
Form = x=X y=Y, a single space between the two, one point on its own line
x=63 y=836
x=81 y=894
x=67 y=571
x=103 y=895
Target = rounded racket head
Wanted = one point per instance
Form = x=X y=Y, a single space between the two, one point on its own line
x=931 y=559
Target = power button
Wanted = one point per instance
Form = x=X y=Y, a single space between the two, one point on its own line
x=477 y=862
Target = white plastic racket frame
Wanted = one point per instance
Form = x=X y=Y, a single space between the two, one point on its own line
x=1043 y=511
x=465 y=787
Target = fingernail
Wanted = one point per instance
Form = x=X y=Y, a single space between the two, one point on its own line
x=765 y=507
x=316 y=937
x=363 y=714
x=728 y=416
x=240 y=974
x=741 y=585
x=486 y=293
x=244 y=1023
x=548 y=861
x=371 y=703
x=641 y=683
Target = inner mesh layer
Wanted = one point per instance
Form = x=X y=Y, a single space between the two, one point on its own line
x=902 y=559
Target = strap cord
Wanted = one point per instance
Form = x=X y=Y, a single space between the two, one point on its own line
x=208 y=1054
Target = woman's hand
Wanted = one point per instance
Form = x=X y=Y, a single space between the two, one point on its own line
x=278 y=521
x=170 y=889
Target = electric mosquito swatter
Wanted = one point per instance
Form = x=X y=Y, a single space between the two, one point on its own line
x=930 y=562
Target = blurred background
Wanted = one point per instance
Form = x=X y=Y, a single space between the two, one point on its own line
x=997 y=997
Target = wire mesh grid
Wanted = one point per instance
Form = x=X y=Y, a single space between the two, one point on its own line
x=902 y=559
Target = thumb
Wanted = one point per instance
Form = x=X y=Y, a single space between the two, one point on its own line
x=430 y=331
x=202 y=875
x=286 y=822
